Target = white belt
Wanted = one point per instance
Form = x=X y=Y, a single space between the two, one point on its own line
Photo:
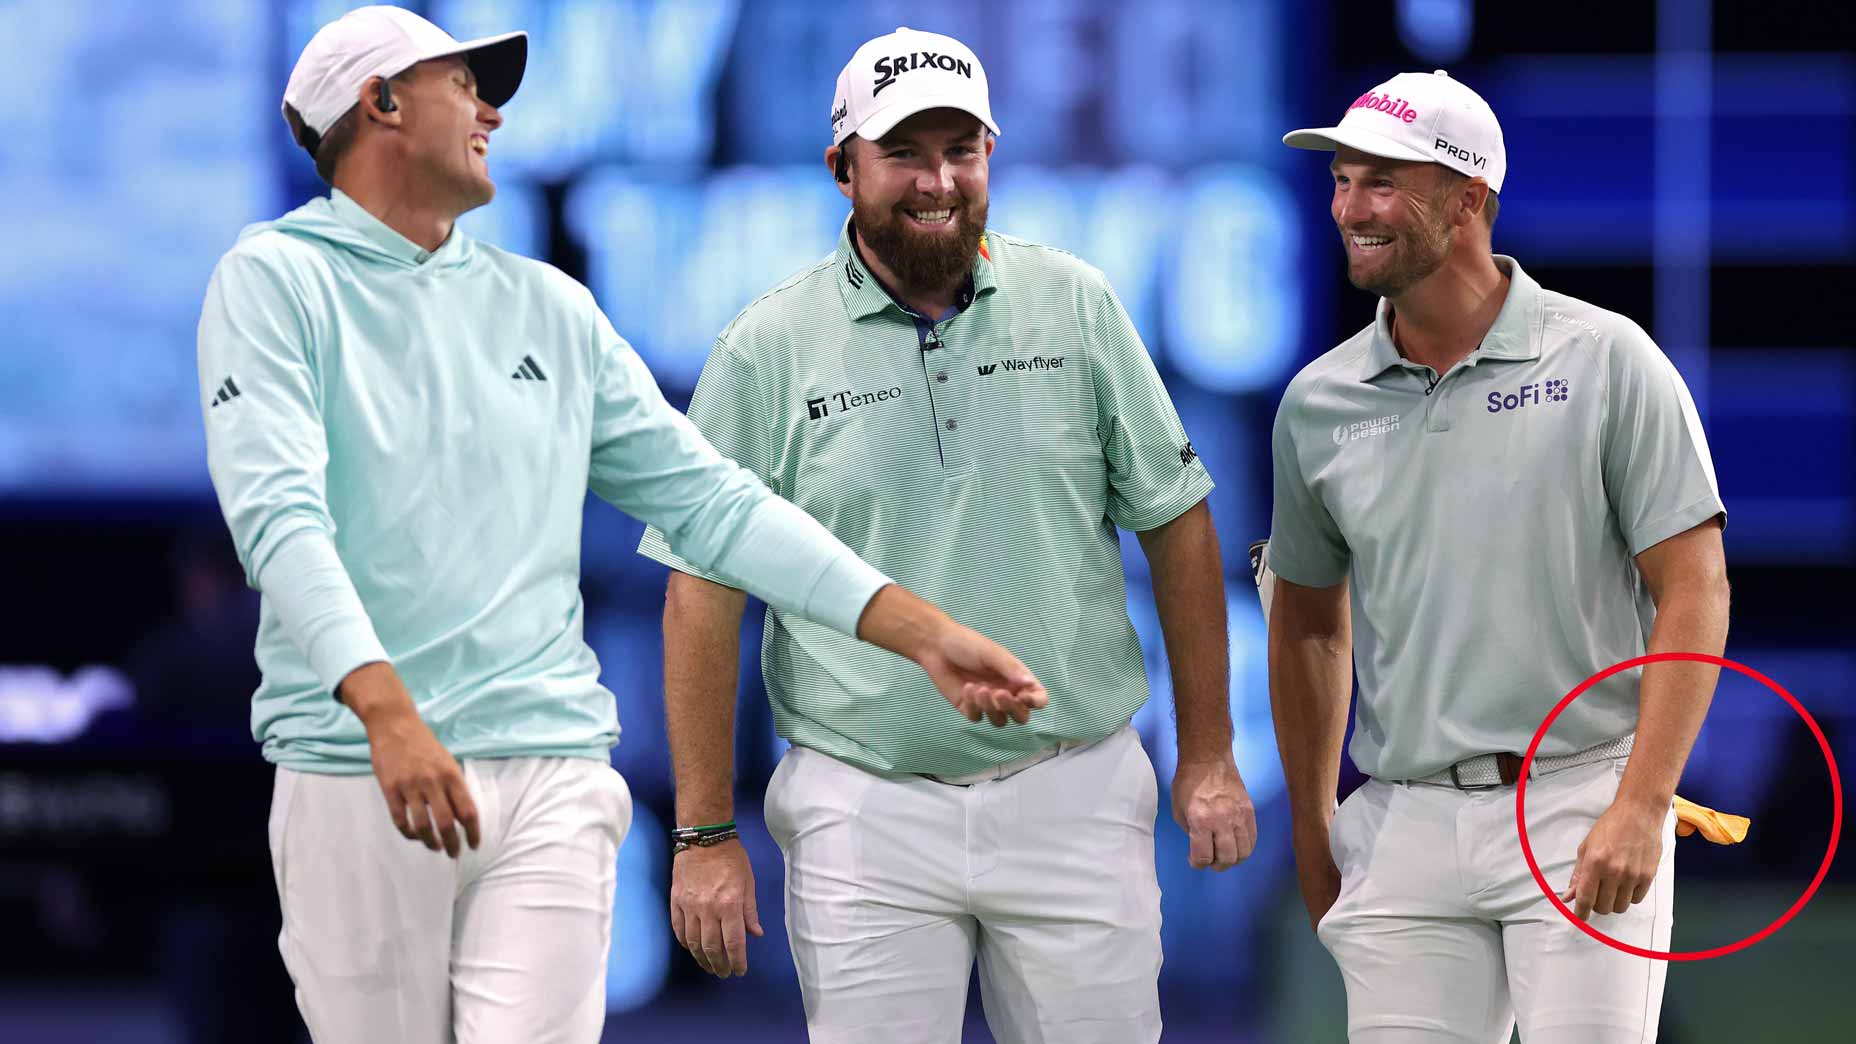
x=1486 y=770
x=993 y=773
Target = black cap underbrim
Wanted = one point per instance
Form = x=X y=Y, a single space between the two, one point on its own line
x=498 y=67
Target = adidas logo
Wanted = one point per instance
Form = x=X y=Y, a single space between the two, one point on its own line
x=852 y=275
x=227 y=392
x=988 y=368
x=529 y=371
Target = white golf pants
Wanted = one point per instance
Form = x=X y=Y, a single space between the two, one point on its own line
x=1442 y=934
x=389 y=942
x=895 y=883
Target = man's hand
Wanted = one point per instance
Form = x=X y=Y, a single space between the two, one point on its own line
x=1315 y=870
x=712 y=907
x=427 y=798
x=1211 y=804
x=1617 y=861
x=972 y=671
x=980 y=678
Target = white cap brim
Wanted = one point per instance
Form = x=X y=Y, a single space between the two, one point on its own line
x=885 y=120
x=1327 y=139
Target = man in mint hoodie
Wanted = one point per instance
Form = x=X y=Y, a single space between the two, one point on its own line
x=401 y=424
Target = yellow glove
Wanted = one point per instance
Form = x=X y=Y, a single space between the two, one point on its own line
x=1718 y=827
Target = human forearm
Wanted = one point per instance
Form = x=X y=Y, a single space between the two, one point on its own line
x=376 y=695
x=1188 y=580
x=1691 y=616
x=1311 y=679
x=702 y=653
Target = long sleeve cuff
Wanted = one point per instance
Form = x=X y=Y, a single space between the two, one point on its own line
x=793 y=563
x=315 y=600
x=843 y=590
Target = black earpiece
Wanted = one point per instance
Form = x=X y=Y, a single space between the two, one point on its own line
x=844 y=171
x=384 y=100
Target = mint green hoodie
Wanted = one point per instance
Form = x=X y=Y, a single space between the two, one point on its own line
x=401 y=441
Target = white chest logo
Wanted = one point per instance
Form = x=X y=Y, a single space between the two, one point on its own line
x=1366 y=429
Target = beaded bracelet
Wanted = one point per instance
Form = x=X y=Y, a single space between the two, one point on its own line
x=703 y=841
x=703 y=836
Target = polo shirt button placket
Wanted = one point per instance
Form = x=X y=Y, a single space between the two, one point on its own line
x=951 y=425
x=941 y=377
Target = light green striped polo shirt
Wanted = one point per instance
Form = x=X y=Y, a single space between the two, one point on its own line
x=987 y=474
x=1489 y=519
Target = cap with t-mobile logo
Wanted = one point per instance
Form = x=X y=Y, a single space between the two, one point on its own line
x=1424 y=117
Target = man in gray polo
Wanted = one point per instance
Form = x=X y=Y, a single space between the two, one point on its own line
x=1492 y=492
x=977 y=415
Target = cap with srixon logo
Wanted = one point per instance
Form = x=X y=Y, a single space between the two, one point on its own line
x=894 y=77
x=1428 y=118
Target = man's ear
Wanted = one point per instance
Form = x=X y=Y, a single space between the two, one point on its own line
x=838 y=161
x=377 y=103
x=1475 y=197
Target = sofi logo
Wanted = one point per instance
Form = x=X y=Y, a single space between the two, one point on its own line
x=1553 y=390
x=1393 y=107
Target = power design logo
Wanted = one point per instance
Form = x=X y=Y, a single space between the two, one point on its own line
x=1364 y=429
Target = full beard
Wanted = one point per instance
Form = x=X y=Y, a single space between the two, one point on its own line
x=921 y=261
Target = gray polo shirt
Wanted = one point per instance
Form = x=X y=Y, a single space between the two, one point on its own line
x=1488 y=520
x=984 y=460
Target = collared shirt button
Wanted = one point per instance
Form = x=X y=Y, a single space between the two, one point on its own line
x=951 y=425
x=942 y=376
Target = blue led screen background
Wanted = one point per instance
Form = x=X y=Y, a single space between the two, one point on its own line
x=1686 y=163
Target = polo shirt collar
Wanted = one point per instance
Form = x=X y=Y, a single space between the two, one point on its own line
x=864 y=294
x=391 y=243
x=1514 y=336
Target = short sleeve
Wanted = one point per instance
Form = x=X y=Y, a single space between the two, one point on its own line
x=1659 y=476
x=1306 y=547
x=1154 y=473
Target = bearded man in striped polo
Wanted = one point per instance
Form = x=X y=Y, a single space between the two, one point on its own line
x=976 y=415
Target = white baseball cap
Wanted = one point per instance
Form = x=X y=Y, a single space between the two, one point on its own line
x=386 y=41
x=894 y=77
x=1414 y=116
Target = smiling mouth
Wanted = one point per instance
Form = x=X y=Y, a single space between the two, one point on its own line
x=931 y=218
x=1369 y=244
x=480 y=146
